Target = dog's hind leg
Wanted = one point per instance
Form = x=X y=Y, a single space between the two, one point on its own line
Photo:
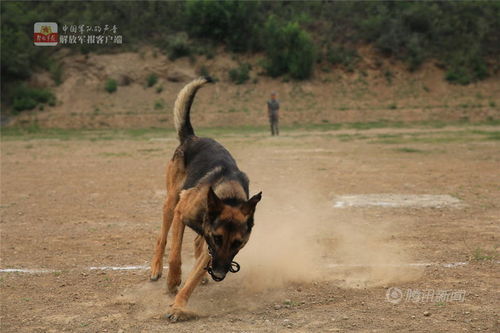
x=178 y=310
x=174 y=256
x=168 y=214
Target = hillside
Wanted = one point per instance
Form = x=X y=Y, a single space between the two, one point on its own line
x=379 y=89
x=329 y=61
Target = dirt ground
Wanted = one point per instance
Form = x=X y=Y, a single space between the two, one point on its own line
x=71 y=204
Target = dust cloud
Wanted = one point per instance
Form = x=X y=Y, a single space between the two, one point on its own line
x=299 y=237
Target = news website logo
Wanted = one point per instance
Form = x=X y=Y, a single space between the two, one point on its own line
x=46 y=34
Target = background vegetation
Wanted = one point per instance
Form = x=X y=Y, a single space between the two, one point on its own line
x=293 y=36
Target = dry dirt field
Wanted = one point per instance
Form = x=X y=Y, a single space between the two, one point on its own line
x=71 y=201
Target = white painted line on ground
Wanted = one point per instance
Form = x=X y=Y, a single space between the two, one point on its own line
x=417 y=264
x=397 y=200
x=146 y=267
x=26 y=270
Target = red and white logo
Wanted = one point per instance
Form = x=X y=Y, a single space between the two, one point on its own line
x=46 y=34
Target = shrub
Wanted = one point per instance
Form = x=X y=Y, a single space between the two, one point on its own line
x=203 y=71
x=56 y=72
x=339 y=55
x=159 y=104
x=24 y=103
x=462 y=35
x=466 y=67
x=111 y=86
x=417 y=53
x=177 y=46
x=388 y=76
x=152 y=79
x=26 y=98
x=230 y=21
x=240 y=74
x=289 y=49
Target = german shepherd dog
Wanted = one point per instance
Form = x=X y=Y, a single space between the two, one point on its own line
x=208 y=193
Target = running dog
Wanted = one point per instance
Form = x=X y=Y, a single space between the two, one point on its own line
x=208 y=193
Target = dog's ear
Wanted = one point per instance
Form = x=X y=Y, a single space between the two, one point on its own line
x=214 y=204
x=248 y=208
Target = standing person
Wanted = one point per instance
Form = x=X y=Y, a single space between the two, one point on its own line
x=273 y=107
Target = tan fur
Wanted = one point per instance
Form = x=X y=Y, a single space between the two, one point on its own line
x=182 y=101
x=233 y=214
x=230 y=189
x=175 y=178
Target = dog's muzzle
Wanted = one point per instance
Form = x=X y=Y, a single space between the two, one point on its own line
x=234 y=268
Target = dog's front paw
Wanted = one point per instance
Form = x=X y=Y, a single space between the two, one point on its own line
x=156 y=270
x=155 y=275
x=176 y=314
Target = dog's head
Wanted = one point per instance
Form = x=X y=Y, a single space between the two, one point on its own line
x=227 y=229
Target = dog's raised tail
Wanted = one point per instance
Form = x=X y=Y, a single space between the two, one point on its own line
x=182 y=107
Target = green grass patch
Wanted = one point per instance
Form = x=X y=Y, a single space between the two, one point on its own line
x=351 y=137
x=375 y=124
x=151 y=79
x=480 y=255
x=461 y=135
x=408 y=150
x=488 y=135
x=159 y=104
x=110 y=154
x=34 y=133
x=111 y=86
x=152 y=150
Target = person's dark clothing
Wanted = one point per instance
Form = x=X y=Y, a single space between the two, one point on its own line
x=273 y=107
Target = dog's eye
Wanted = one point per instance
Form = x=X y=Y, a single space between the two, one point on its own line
x=236 y=244
x=218 y=240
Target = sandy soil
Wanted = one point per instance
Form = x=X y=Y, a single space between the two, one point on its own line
x=67 y=205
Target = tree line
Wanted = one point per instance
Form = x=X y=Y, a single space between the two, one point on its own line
x=294 y=36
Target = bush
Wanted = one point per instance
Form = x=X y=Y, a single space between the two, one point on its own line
x=111 y=86
x=240 y=74
x=26 y=98
x=461 y=35
x=339 y=55
x=159 y=104
x=178 y=46
x=233 y=22
x=289 y=49
x=203 y=71
x=56 y=72
x=152 y=79
x=466 y=66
